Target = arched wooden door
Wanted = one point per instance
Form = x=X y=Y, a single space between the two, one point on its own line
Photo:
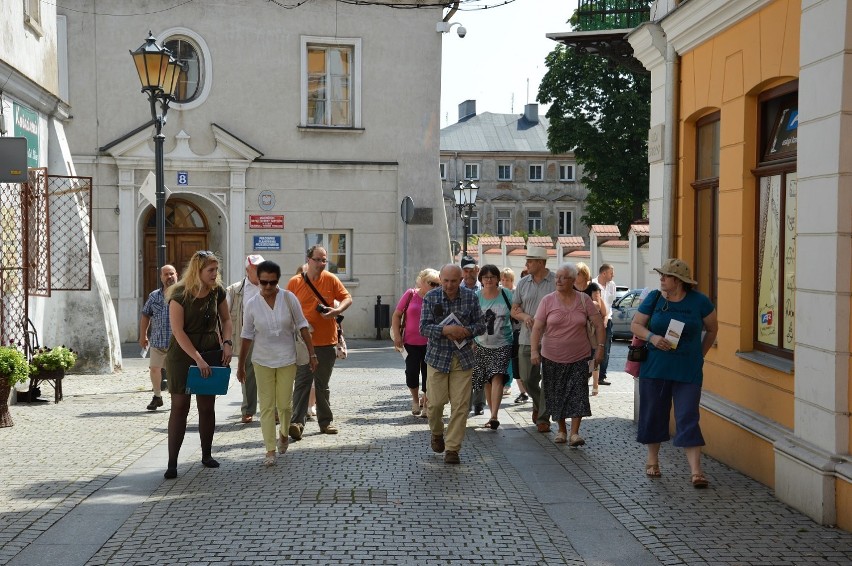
x=186 y=233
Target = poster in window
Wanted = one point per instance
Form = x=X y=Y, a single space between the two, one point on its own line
x=768 y=267
x=789 y=337
x=785 y=133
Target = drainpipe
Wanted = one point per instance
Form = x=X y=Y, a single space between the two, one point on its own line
x=670 y=150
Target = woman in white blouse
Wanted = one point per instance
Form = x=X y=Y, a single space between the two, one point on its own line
x=270 y=321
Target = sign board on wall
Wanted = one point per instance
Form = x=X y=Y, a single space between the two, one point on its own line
x=26 y=126
x=266 y=221
x=655 y=144
x=266 y=243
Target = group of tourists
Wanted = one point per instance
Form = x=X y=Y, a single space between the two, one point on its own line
x=465 y=332
x=269 y=324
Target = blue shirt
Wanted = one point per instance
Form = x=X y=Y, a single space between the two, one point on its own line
x=685 y=363
x=436 y=307
x=158 y=311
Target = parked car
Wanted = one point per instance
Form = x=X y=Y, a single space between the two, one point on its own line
x=620 y=291
x=623 y=310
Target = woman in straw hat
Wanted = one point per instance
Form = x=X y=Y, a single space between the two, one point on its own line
x=672 y=321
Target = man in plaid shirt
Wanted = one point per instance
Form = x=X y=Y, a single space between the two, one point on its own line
x=449 y=367
x=155 y=315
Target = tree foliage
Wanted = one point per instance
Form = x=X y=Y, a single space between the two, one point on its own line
x=601 y=112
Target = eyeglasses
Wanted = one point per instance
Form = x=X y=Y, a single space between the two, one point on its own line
x=434 y=284
x=265 y=283
x=319 y=259
x=490 y=277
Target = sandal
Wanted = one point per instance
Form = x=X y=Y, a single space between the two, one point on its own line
x=699 y=481
x=493 y=423
x=247 y=419
x=269 y=460
x=653 y=470
x=561 y=438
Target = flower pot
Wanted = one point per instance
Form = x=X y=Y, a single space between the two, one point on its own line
x=5 y=415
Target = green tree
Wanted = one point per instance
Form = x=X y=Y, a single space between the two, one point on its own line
x=601 y=112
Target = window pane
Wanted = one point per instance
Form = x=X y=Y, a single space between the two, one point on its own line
x=339 y=113
x=708 y=151
x=783 y=114
x=768 y=261
x=790 y=262
x=705 y=240
x=316 y=61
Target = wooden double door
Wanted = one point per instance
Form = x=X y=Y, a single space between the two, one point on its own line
x=186 y=233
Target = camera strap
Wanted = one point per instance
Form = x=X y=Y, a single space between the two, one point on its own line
x=314 y=289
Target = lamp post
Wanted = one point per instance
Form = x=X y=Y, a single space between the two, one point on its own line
x=465 y=197
x=159 y=74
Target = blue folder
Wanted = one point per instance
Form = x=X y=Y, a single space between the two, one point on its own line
x=216 y=384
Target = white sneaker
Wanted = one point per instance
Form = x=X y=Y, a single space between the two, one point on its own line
x=312 y=411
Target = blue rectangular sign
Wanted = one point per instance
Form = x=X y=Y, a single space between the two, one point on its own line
x=267 y=243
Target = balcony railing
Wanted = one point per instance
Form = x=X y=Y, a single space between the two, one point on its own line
x=611 y=14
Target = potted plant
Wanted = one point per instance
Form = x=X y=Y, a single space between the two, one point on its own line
x=52 y=360
x=13 y=370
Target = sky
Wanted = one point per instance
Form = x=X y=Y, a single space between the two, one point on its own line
x=501 y=57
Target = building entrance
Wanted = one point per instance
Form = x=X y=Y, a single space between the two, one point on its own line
x=186 y=232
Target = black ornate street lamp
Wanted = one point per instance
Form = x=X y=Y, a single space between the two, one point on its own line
x=159 y=74
x=465 y=196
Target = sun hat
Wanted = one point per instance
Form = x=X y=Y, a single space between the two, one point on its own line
x=677 y=268
x=535 y=252
x=253 y=259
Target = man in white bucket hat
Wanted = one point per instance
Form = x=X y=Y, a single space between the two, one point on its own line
x=531 y=289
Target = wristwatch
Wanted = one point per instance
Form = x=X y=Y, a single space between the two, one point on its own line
x=228 y=342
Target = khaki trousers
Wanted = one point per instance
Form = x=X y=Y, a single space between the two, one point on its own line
x=452 y=387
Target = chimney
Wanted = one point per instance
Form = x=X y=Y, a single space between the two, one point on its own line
x=467 y=109
x=531 y=113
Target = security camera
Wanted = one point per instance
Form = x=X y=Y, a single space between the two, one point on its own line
x=461 y=31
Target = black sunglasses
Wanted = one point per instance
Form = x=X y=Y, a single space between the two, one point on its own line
x=434 y=284
x=204 y=253
x=265 y=283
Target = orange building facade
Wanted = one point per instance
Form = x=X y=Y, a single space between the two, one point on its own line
x=766 y=223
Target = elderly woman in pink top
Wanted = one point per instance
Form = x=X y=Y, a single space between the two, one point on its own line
x=410 y=338
x=559 y=342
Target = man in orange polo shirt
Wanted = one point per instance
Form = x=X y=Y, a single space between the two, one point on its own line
x=322 y=316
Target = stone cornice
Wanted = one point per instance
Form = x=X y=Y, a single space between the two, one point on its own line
x=696 y=21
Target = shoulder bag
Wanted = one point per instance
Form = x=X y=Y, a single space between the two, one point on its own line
x=637 y=351
x=404 y=316
x=303 y=357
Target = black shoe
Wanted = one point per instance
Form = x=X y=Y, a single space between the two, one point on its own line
x=603 y=382
x=479 y=410
x=155 y=402
x=522 y=398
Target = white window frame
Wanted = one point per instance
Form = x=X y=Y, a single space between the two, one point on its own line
x=32 y=16
x=504 y=220
x=563 y=167
x=561 y=222
x=473 y=223
x=509 y=167
x=443 y=167
x=354 y=88
x=540 y=167
x=473 y=167
x=531 y=220
x=326 y=238
x=206 y=64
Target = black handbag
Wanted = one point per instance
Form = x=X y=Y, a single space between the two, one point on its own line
x=637 y=353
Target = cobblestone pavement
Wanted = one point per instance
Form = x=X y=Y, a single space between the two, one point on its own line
x=375 y=493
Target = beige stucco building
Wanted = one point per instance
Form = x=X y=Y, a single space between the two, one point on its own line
x=291 y=129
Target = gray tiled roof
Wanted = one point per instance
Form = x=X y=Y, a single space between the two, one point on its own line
x=496 y=132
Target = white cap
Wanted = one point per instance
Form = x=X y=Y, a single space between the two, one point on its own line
x=253 y=259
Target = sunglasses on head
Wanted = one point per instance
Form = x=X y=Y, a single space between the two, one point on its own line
x=268 y=282
x=204 y=253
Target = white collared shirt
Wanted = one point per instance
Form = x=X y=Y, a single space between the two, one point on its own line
x=271 y=328
x=608 y=295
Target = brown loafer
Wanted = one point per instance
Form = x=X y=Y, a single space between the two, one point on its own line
x=329 y=429
x=452 y=457
x=295 y=431
x=437 y=443
x=543 y=427
x=247 y=419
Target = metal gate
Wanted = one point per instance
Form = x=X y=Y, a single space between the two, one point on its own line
x=45 y=245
